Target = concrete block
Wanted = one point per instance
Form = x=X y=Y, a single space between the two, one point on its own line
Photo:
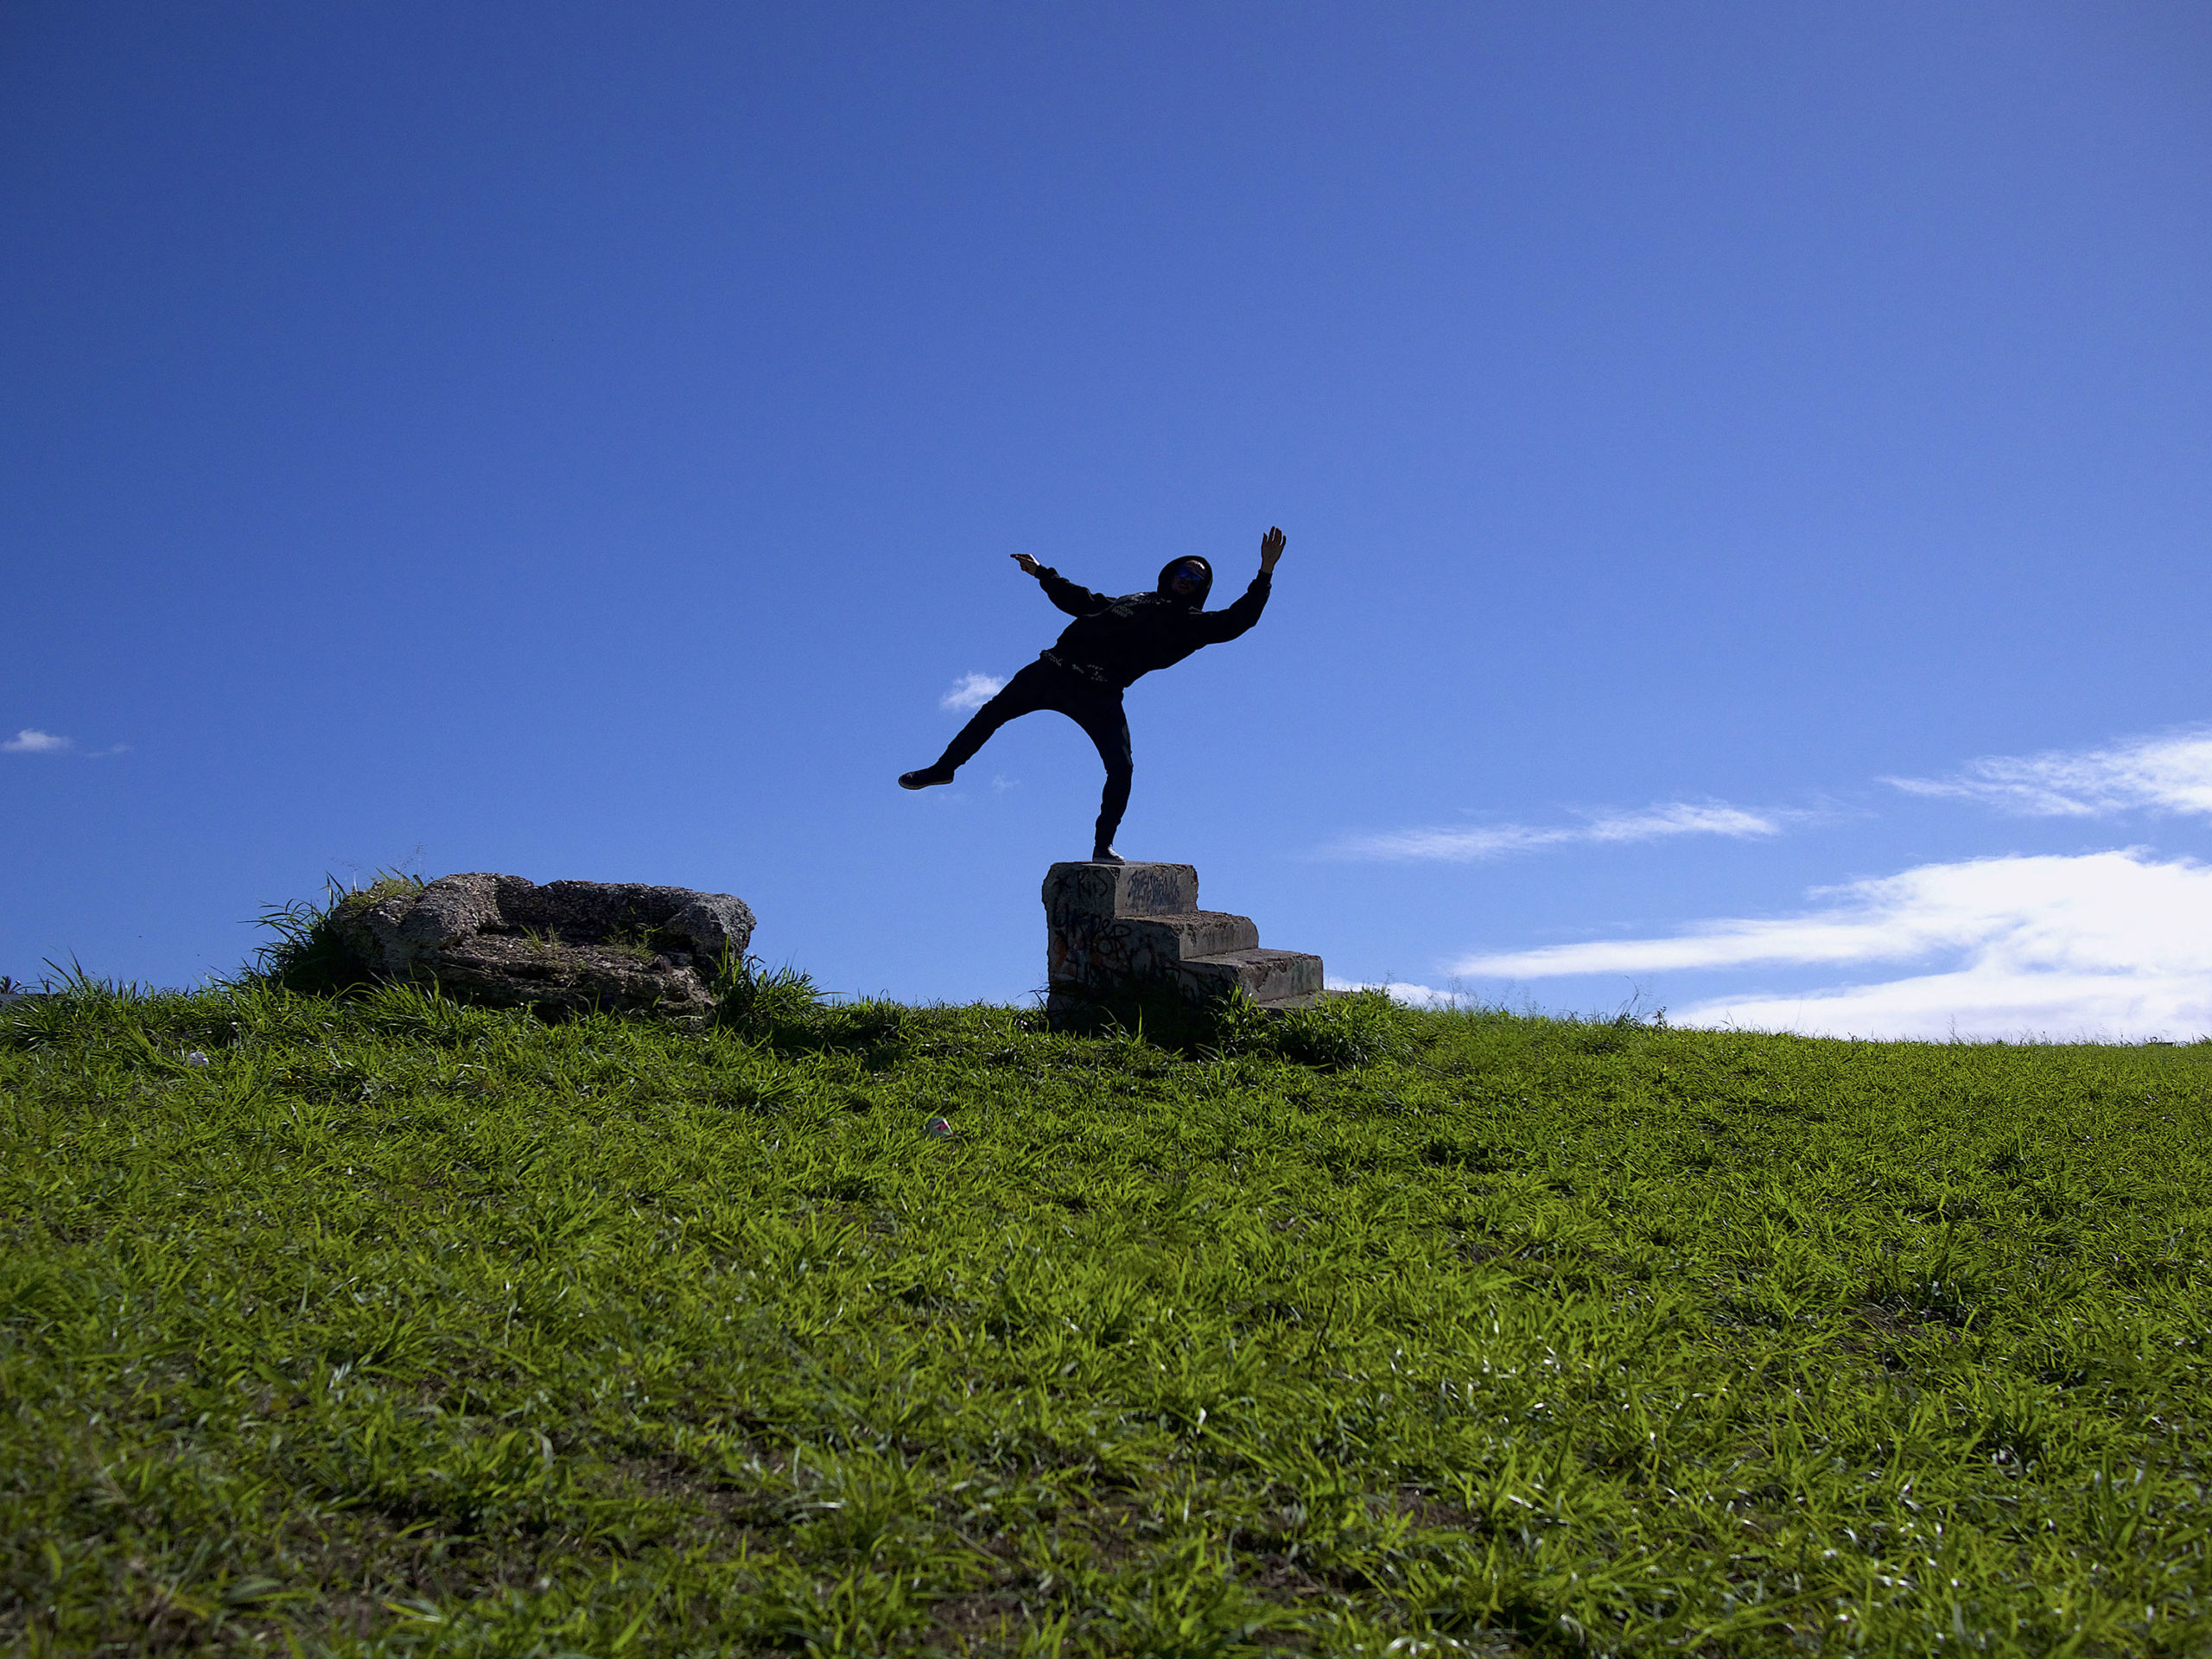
x=1127 y=932
x=1108 y=890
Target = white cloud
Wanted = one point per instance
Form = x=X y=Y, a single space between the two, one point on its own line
x=2112 y=944
x=1978 y=1003
x=971 y=691
x=28 y=741
x=1417 y=996
x=1495 y=841
x=2171 y=774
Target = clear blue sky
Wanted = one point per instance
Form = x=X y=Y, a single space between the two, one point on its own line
x=1748 y=471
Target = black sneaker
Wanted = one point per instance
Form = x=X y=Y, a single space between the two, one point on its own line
x=1106 y=856
x=926 y=777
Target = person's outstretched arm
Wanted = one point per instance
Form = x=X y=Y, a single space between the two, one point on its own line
x=1075 y=601
x=1227 y=624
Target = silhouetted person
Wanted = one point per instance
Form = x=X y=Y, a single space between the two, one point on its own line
x=1110 y=643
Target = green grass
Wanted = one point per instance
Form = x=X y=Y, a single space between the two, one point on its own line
x=401 y=1327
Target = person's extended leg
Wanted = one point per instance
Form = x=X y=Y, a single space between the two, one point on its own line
x=1108 y=726
x=1030 y=690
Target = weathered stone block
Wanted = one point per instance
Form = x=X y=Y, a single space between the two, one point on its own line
x=568 y=947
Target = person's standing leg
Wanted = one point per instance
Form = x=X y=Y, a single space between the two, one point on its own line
x=1107 y=724
x=1030 y=690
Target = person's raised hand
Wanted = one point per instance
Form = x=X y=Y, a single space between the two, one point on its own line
x=1270 y=549
x=1029 y=566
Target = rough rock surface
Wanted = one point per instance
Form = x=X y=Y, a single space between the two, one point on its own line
x=567 y=947
x=1115 y=932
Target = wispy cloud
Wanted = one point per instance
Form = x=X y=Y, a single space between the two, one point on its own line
x=971 y=691
x=1467 y=845
x=2171 y=774
x=2116 y=943
x=29 y=741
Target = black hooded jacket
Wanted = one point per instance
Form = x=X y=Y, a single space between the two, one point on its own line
x=1124 y=637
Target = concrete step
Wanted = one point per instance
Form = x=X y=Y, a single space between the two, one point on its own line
x=1102 y=951
x=1103 y=890
x=1273 y=979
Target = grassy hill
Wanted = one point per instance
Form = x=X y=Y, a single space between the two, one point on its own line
x=389 y=1326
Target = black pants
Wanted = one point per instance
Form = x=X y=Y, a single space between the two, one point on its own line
x=1096 y=708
